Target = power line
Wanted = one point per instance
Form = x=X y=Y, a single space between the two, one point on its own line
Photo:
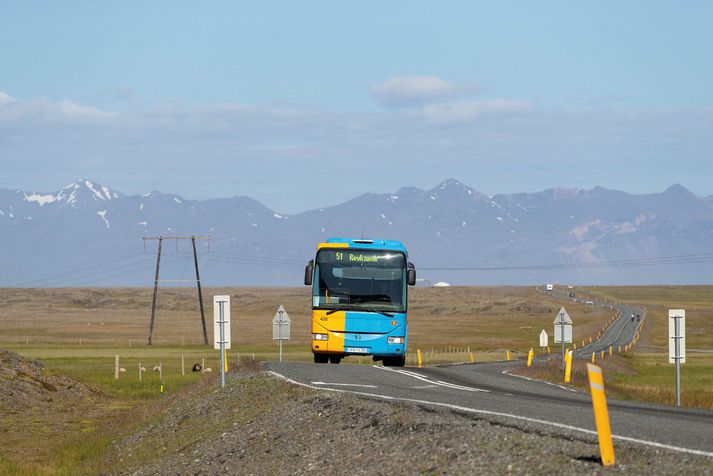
x=637 y=262
x=132 y=268
x=78 y=270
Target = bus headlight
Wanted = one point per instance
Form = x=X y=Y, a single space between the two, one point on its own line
x=319 y=336
x=395 y=340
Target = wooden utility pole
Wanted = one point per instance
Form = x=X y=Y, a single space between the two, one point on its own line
x=193 y=239
x=155 y=288
x=200 y=293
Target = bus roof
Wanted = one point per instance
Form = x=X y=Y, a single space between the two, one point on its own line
x=364 y=243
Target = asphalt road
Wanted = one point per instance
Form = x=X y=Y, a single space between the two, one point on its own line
x=620 y=333
x=490 y=392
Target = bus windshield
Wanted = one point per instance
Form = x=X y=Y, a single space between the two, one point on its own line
x=360 y=280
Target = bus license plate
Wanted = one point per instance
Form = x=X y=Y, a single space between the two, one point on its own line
x=357 y=350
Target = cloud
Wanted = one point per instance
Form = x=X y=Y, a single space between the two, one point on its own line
x=13 y=109
x=469 y=111
x=402 y=91
x=6 y=99
x=277 y=154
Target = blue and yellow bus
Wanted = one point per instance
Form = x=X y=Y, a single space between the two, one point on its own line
x=359 y=300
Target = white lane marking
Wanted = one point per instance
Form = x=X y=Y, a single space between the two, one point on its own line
x=500 y=414
x=425 y=386
x=460 y=387
x=507 y=372
x=344 y=384
x=409 y=373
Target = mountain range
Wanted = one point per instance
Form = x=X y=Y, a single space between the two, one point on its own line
x=87 y=234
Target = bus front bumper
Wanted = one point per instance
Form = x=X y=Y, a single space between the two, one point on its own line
x=359 y=344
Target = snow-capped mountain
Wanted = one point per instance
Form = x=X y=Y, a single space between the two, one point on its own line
x=88 y=234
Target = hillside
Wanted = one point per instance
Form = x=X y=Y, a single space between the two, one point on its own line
x=88 y=234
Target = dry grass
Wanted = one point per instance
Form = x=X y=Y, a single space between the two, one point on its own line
x=485 y=319
x=645 y=373
x=631 y=376
x=696 y=300
x=50 y=323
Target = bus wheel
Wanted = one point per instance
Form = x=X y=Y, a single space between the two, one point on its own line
x=395 y=361
x=335 y=360
x=321 y=359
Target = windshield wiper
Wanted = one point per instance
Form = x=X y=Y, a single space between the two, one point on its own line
x=337 y=309
x=357 y=309
x=386 y=313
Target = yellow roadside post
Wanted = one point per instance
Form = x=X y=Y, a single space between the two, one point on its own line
x=592 y=357
x=602 y=354
x=472 y=358
x=568 y=367
x=601 y=414
x=418 y=354
x=620 y=348
x=575 y=345
x=507 y=355
x=225 y=358
x=529 y=357
x=590 y=339
x=610 y=351
x=548 y=349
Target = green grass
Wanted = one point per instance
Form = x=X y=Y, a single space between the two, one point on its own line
x=444 y=324
x=641 y=377
x=654 y=380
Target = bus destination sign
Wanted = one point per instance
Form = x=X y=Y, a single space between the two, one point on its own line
x=357 y=257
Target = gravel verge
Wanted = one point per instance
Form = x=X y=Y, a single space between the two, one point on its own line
x=261 y=425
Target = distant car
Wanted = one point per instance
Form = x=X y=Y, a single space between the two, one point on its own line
x=550 y=287
x=570 y=287
x=571 y=294
x=589 y=302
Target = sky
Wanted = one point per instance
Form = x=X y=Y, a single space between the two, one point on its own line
x=308 y=104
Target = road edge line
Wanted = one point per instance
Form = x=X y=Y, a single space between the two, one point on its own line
x=500 y=414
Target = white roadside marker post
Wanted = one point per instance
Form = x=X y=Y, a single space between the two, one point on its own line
x=221 y=330
x=677 y=345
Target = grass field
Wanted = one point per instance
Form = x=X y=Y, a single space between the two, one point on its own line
x=77 y=332
x=485 y=319
x=645 y=374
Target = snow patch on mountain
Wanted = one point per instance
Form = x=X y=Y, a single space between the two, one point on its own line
x=97 y=193
x=102 y=215
x=41 y=199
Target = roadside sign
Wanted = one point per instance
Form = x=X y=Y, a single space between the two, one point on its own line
x=565 y=333
x=562 y=317
x=677 y=344
x=217 y=300
x=675 y=315
x=281 y=325
x=544 y=339
x=563 y=327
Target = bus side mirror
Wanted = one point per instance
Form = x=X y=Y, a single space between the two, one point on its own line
x=411 y=274
x=309 y=270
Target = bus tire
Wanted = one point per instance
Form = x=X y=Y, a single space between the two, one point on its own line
x=395 y=361
x=321 y=359
x=335 y=359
